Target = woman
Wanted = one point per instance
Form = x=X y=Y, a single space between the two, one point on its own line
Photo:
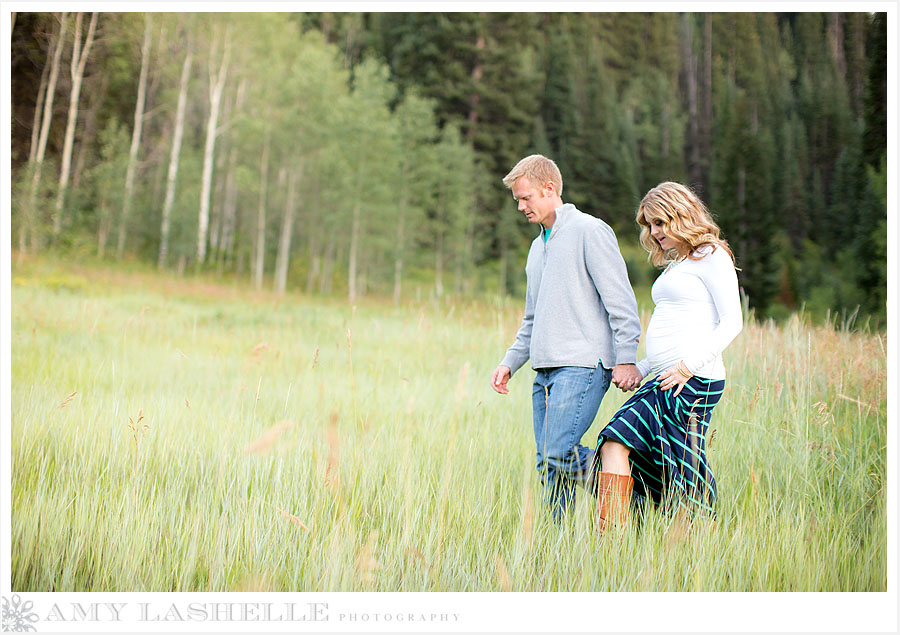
x=655 y=445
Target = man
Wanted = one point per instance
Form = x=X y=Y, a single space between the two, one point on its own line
x=580 y=328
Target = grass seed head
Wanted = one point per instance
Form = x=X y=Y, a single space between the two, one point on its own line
x=332 y=472
x=367 y=563
x=461 y=382
x=67 y=400
x=294 y=520
x=267 y=439
x=418 y=556
x=253 y=583
x=502 y=574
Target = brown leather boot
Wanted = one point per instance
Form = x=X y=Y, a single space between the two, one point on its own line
x=613 y=499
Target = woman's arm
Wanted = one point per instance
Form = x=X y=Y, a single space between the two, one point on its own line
x=644 y=367
x=720 y=278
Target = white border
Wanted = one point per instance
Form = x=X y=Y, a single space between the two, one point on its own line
x=467 y=612
x=497 y=612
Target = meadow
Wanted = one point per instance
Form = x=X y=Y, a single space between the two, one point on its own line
x=175 y=434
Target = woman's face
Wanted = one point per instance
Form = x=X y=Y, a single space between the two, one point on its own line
x=658 y=232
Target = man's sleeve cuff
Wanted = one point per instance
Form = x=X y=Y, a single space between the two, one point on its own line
x=627 y=356
x=513 y=362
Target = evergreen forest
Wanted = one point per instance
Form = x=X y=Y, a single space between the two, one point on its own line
x=356 y=154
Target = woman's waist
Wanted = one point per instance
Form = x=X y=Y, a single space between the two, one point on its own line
x=681 y=322
x=661 y=358
x=663 y=337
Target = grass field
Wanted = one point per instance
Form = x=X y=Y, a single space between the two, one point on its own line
x=178 y=435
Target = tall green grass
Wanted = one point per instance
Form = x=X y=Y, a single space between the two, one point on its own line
x=175 y=435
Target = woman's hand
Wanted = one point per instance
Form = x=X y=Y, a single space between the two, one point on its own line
x=626 y=377
x=677 y=375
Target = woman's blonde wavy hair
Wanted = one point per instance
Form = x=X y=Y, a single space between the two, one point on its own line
x=684 y=217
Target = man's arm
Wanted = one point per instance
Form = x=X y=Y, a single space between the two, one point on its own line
x=520 y=351
x=607 y=269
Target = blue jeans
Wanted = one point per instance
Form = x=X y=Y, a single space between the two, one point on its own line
x=565 y=401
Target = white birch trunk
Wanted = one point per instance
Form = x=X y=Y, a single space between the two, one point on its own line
x=259 y=263
x=32 y=150
x=401 y=234
x=216 y=84
x=36 y=123
x=284 y=244
x=398 y=263
x=217 y=196
x=79 y=59
x=135 y=137
x=51 y=91
x=229 y=214
x=354 y=233
x=354 y=247
x=230 y=210
x=174 y=157
x=312 y=245
x=45 y=120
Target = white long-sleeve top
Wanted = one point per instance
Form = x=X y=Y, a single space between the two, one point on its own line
x=697 y=314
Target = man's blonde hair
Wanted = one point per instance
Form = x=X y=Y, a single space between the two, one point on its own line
x=539 y=170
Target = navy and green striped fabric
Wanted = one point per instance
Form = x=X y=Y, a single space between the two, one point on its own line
x=667 y=436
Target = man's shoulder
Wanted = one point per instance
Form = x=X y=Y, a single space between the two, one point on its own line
x=584 y=222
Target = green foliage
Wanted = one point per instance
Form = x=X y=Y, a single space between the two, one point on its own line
x=105 y=181
x=871 y=245
x=183 y=241
x=365 y=110
x=32 y=202
x=875 y=114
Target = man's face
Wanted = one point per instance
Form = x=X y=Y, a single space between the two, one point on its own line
x=537 y=204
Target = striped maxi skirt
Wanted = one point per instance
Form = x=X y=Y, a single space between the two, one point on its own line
x=667 y=437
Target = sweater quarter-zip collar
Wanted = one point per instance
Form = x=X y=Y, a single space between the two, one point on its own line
x=564 y=213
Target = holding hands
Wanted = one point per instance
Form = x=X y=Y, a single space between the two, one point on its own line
x=677 y=375
x=626 y=377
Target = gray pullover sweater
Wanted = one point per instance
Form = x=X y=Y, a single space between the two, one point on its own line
x=579 y=305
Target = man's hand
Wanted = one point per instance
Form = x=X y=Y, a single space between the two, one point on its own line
x=626 y=377
x=499 y=379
